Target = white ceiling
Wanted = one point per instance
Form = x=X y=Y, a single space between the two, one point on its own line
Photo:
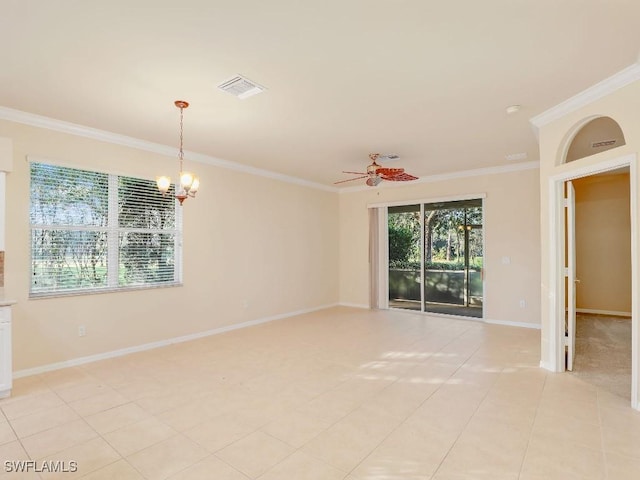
x=427 y=80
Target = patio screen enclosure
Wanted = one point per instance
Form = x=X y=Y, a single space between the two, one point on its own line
x=436 y=257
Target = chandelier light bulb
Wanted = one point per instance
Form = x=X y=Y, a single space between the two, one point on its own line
x=164 y=184
x=194 y=186
x=186 y=180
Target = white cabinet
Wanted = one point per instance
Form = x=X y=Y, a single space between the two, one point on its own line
x=5 y=352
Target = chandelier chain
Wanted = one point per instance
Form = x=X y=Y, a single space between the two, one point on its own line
x=181 y=153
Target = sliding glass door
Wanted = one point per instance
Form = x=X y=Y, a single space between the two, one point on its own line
x=453 y=258
x=405 y=257
x=436 y=257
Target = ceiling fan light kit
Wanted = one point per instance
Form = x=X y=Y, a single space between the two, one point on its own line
x=376 y=173
x=373 y=181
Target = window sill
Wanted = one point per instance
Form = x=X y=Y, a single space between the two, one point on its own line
x=95 y=291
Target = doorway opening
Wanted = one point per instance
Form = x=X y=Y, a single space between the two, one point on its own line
x=555 y=334
x=602 y=253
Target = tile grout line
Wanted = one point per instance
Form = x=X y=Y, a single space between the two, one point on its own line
x=394 y=341
x=468 y=421
x=533 y=423
x=99 y=435
x=81 y=417
x=422 y=403
x=359 y=405
x=601 y=425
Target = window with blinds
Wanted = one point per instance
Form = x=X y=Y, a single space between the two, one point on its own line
x=93 y=231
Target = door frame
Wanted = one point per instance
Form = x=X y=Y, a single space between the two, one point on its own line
x=570 y=272
x=557 y=238
x=383 y=253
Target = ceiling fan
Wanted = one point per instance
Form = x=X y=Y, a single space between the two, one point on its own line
x=376 y=173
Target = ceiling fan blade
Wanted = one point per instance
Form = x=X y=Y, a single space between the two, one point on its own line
x=350 y=179
x=389 y=172
x=403 y=177
x=356 y=173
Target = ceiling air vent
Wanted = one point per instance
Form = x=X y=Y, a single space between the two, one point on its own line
x=241 y=87
x=604 y=143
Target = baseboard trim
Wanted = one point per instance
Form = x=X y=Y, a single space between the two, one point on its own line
x=613 y=313
x=74 y=362
x=162 y=343
x=545 y=366
x=506 y=323
x=535 y=326
x=353 y=305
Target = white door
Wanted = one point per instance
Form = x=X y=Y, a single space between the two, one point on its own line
x=570 y=273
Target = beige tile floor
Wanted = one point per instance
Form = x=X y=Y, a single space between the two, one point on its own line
x=339 y=394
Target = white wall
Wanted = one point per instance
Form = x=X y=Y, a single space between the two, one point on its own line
x=622 y=106
x=511 y=216
x=271 y=244
x=555 y=133
x=603 y=243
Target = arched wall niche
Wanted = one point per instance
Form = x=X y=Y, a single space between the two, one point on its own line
x=593 y=135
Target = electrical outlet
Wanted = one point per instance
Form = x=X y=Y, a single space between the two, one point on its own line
x=523 y=304
x=82 y=331
x=245 y=303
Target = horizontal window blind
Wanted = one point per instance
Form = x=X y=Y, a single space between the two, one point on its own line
x=92 y=231
x=67 y=196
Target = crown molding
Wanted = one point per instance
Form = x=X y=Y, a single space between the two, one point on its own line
x=478 y=172
x=48 y=123
x=590 y=95
x=40 y=121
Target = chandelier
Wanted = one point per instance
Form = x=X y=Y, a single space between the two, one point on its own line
x=188 y=183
